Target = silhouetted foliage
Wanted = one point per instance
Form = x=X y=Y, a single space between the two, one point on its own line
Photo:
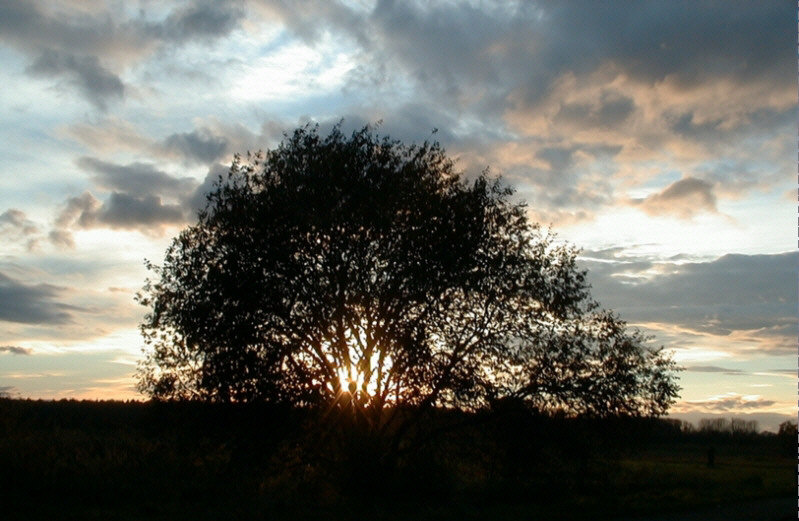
x=730 y=427
x=787 y=429
x=787 y=435
x=369 y=277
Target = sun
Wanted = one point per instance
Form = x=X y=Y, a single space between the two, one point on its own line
x=350 y=379
x=361 y=367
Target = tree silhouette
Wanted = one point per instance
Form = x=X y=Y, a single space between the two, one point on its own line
x=360 y=274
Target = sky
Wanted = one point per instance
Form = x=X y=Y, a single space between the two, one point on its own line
x=659 y=137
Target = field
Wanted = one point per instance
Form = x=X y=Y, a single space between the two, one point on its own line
x=114 y=460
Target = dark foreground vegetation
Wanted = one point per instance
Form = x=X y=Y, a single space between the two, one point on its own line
x=114 y=460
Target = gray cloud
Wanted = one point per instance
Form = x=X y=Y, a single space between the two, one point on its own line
x=143 y=196
x=198 y=200
x=566 y=76
x=559 y=158
x=128 y=211
x=97 y=83
x=15 y=226
x=75 y=209
x=610 y=110
x=733 y=279
x=199 y=146
x=31 y=24
x=565 y=99
x=622 y=262
x=690 y=42
x=64 y=46
x=732 y=402
x=711 y=38
x=140 y=197
x=203 y=20
x=61 y=239
x=31 y=27
x=121 y=210
x=744 y=294
x=451 y=46
x=15 y=350
x=32 y=304
x=139 y=179
x=72 y=44
x=684 y=199
x=15 y=219
x=714 y=369
x=507 y=82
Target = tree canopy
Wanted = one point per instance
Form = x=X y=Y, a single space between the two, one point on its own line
x=355 y=271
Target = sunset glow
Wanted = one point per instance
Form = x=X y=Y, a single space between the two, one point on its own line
x=659 y=138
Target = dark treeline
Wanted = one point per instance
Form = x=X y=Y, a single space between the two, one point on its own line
x=190 y=460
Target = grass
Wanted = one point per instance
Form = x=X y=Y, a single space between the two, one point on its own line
x=125 y=461
x=677 y=476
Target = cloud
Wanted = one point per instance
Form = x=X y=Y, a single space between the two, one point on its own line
x=198 y=200
x=137 y=179
x=70 y=43
x=200 y=146
x=15 y=226
x=203 y=20
x=61 y=238
x=782 y=373
x=69 y=47
x=714 y=369
x=140 y=197
x=529 y=45
x=609 y=110
x=684 y=199
x=94 y=81
x=34 y=27
x=79 y=210
x=16 y=220
x=127 y=211
x=742 y=298
x=109 y=135
x=32 y=304
x=581 y=109
x=565 y=79
x=330 y=15
x=728 y=402
x=15 y=350
x=574 y=109
x=121 y=210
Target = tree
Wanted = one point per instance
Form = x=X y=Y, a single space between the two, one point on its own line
x=361 y=274
x=787 y=429
x=787 y=435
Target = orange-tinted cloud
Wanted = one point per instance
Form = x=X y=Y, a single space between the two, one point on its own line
x=684 y=199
